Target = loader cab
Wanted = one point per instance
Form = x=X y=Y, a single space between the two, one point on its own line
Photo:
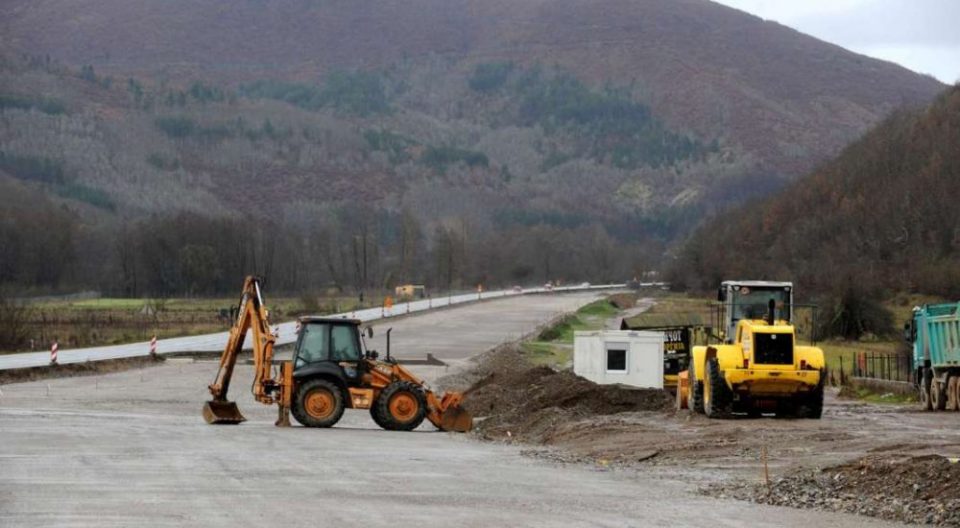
x=328 y=343
x=746 y=300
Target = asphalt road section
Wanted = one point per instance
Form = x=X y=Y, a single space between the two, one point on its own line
x=131 y=449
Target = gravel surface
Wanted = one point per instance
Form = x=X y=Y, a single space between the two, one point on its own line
x=920 y=490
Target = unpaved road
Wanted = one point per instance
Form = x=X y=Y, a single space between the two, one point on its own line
x=705 y=450
x=130 y=449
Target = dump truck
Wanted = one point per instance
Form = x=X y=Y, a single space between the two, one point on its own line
x=934 y=335
x=758 y=367
x=331 y=370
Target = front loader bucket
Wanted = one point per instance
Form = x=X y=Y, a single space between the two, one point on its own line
x=456 y=419
x=222 y=412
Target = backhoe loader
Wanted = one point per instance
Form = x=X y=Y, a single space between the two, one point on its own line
x=330 y=371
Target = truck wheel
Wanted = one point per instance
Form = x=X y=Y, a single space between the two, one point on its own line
x=957 y=391
x=953 y=383
x=402 y=406
x=318 y=403
x=938 y=395
x=717 y=398
x=696 y=392
x=925 y=401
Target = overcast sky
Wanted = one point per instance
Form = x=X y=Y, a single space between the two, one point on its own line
x=922 y=35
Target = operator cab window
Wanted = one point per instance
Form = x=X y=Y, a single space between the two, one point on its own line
x=345 y=346
x=314 y=341
x=751 y=303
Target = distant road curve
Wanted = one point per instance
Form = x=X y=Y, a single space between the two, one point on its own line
x=287 y=331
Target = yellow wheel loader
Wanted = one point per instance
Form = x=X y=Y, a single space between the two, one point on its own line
x=759 y=368
x=330 y=371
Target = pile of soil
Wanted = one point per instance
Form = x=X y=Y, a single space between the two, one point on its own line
x=510 y=397
x=920 y=490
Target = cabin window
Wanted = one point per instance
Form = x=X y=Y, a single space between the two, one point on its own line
x=616 y=360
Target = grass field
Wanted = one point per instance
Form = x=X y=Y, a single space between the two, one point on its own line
x=554 y=345
x=110 y=321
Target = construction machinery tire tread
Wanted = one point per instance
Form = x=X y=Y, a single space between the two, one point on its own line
x=720 y=402
x=813 y=406
x=938 y=395
x=300 y=404
x=953 y=393
x=375 y=414
x=390 y=422
x=696 y=393
x=926 y=403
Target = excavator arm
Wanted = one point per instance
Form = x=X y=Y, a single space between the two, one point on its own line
x=251 y=315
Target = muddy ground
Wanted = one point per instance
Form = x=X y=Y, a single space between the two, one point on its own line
x=568 y=419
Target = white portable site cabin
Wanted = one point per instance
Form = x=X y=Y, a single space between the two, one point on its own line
x=626 y=357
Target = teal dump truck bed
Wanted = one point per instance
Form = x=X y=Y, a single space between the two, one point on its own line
x=935 y=335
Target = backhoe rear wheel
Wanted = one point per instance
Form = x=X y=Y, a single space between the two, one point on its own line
x=717 y=397
x=402 y=406
x=318 y=403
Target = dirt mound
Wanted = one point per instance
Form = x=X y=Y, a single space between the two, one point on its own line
x=89 y=368
x=921 y=490
x=529 y=403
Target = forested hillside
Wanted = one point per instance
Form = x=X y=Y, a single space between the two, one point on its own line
x=356 y=145
x=881 y=217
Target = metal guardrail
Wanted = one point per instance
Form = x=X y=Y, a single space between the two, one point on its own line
x=286 y=332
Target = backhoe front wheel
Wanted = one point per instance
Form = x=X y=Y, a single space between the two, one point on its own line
x=401 y=406
x=318 y=403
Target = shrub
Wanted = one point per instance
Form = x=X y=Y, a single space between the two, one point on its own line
x=32 y=168
x=176 y=127
x=393 y=144
x=439 y=158
x=42 y=104
x=14 y=317
x=182 y=127
x=162 y=162
x=489 y=77
x=356 y=93
x=302 y=95
x=90 y=195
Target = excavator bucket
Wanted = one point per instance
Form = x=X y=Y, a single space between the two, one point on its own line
x=456 y=419
x=222 y=412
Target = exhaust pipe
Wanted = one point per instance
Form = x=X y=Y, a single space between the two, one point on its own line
x=771 y=312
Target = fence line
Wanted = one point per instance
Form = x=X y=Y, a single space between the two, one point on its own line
x=879 y=365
